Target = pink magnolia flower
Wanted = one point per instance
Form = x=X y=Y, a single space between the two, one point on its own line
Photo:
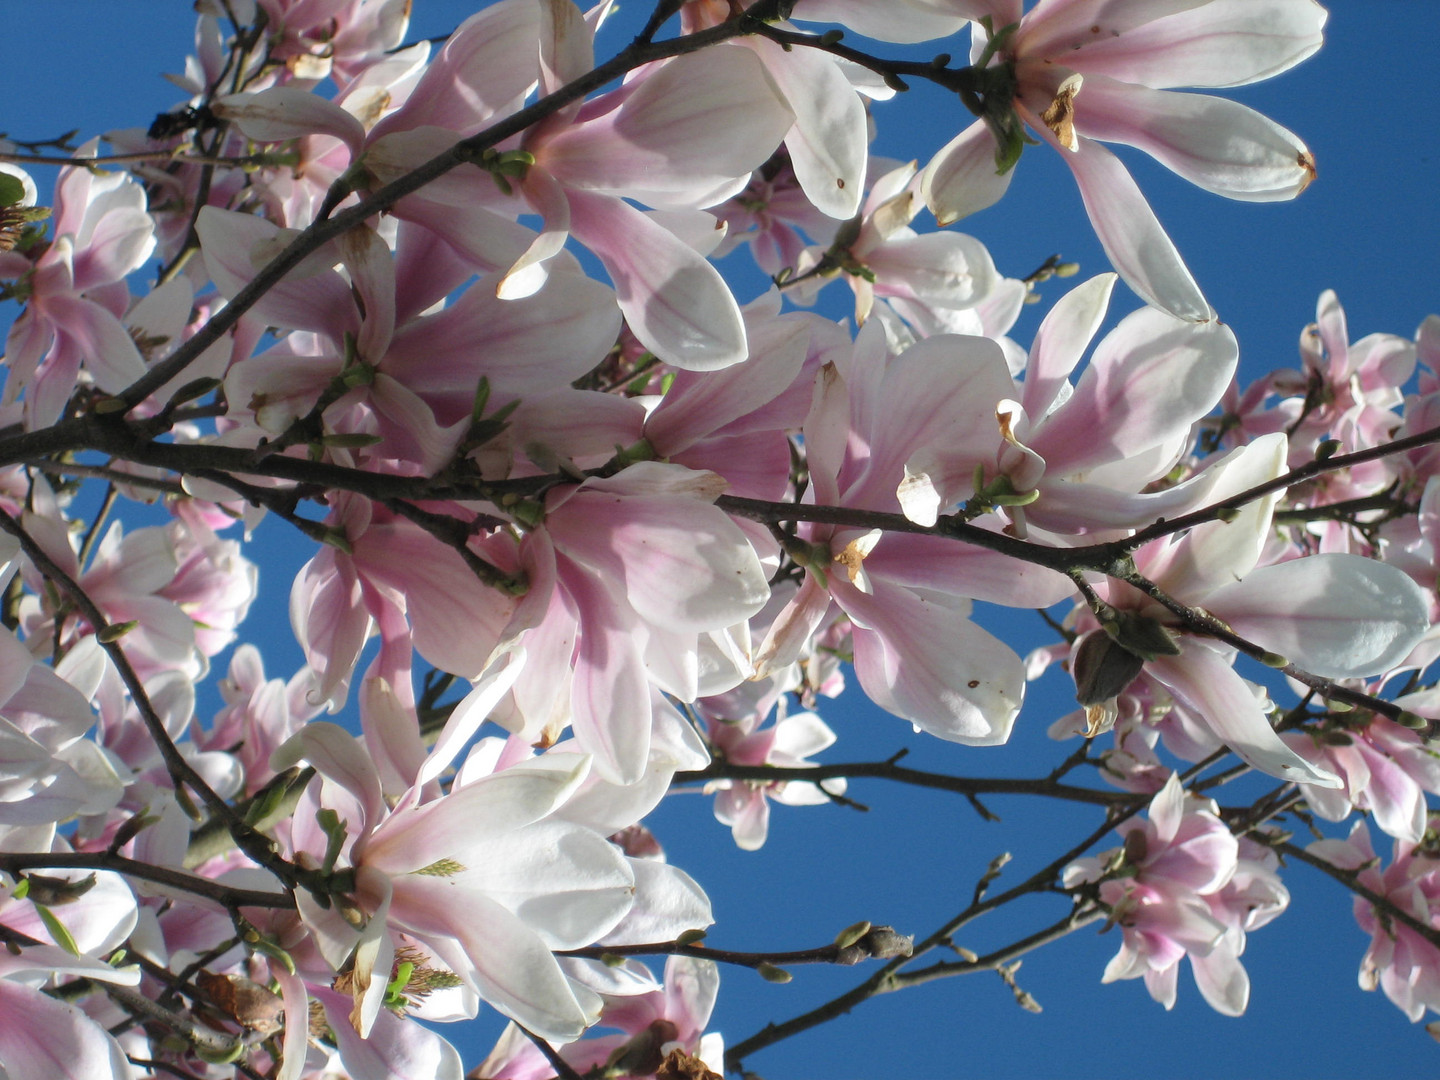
x=1085 y=452
x=75 y=293
x=917 y=652
x=926 y=278
x=1399 y=961
x=744 y=739
x=1346 y=389
x=312 y=39
x=1172 y=864
x=632 y=573
x=1387 y=770
x=683 y=134
x=1341 y=616
x=827 y=146
x=483 y=881
x=1082 y=72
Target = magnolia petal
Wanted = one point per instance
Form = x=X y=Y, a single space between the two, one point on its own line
x=456 y=618
x=100 y=338
x=1205 y=682
x=684 y=564
x=396 y=1048
x=472 y=711
x=309 y=297
x=609 y=698
x=1222 y=980
x=486 y=67
x=668 y=902
x=331 y=624
x=902 y=21
x=567 y=48
x=297 y=1021
x=282 y=113
x=929 y=562
x=1061 y=341
x=695 y=123
x=336 y=755
x=829 y=144
x=47 y=1039
x=940 y=394
x=1340 y=616
x=962 y=178
x=928 y=663
x=1150 y=378
x=1131 y=235
x=524 y=347
x=513 y=969
x=474 y=815
x=674 y=300
x=1220 y=43
x=1061 y=27
x=1220 y=553
x=565 y=881
x=531 y=270
x=371 y=267
x=792 y=628
x=1219 y=145
x=698 y=404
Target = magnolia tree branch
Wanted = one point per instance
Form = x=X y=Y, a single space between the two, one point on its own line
x=1207 y=624
x=229 y=897
x=884 y=980
x=888 y=770
x=1384 y=906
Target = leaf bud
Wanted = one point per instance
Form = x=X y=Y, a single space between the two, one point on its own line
x=1227 y=514
x=832 y=37
x=690 y=937
x=222 y=1055
x=108 y=635
x=350 y=440
x=851 y=934
x=1325 y=449
x=1274 y=660
x=771 y=973
x=1412 y=721
x=528 y=512
x=195 y=388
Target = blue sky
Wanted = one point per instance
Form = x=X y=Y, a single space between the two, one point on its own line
x=1368 y=227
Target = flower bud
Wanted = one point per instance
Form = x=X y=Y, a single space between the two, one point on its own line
x=883 y=943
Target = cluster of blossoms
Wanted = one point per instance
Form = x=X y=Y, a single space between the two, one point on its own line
x=452 y=313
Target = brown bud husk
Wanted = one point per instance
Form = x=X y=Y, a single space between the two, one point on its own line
x=1103 y=668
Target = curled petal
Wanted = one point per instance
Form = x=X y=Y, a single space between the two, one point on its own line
x=962 y=179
